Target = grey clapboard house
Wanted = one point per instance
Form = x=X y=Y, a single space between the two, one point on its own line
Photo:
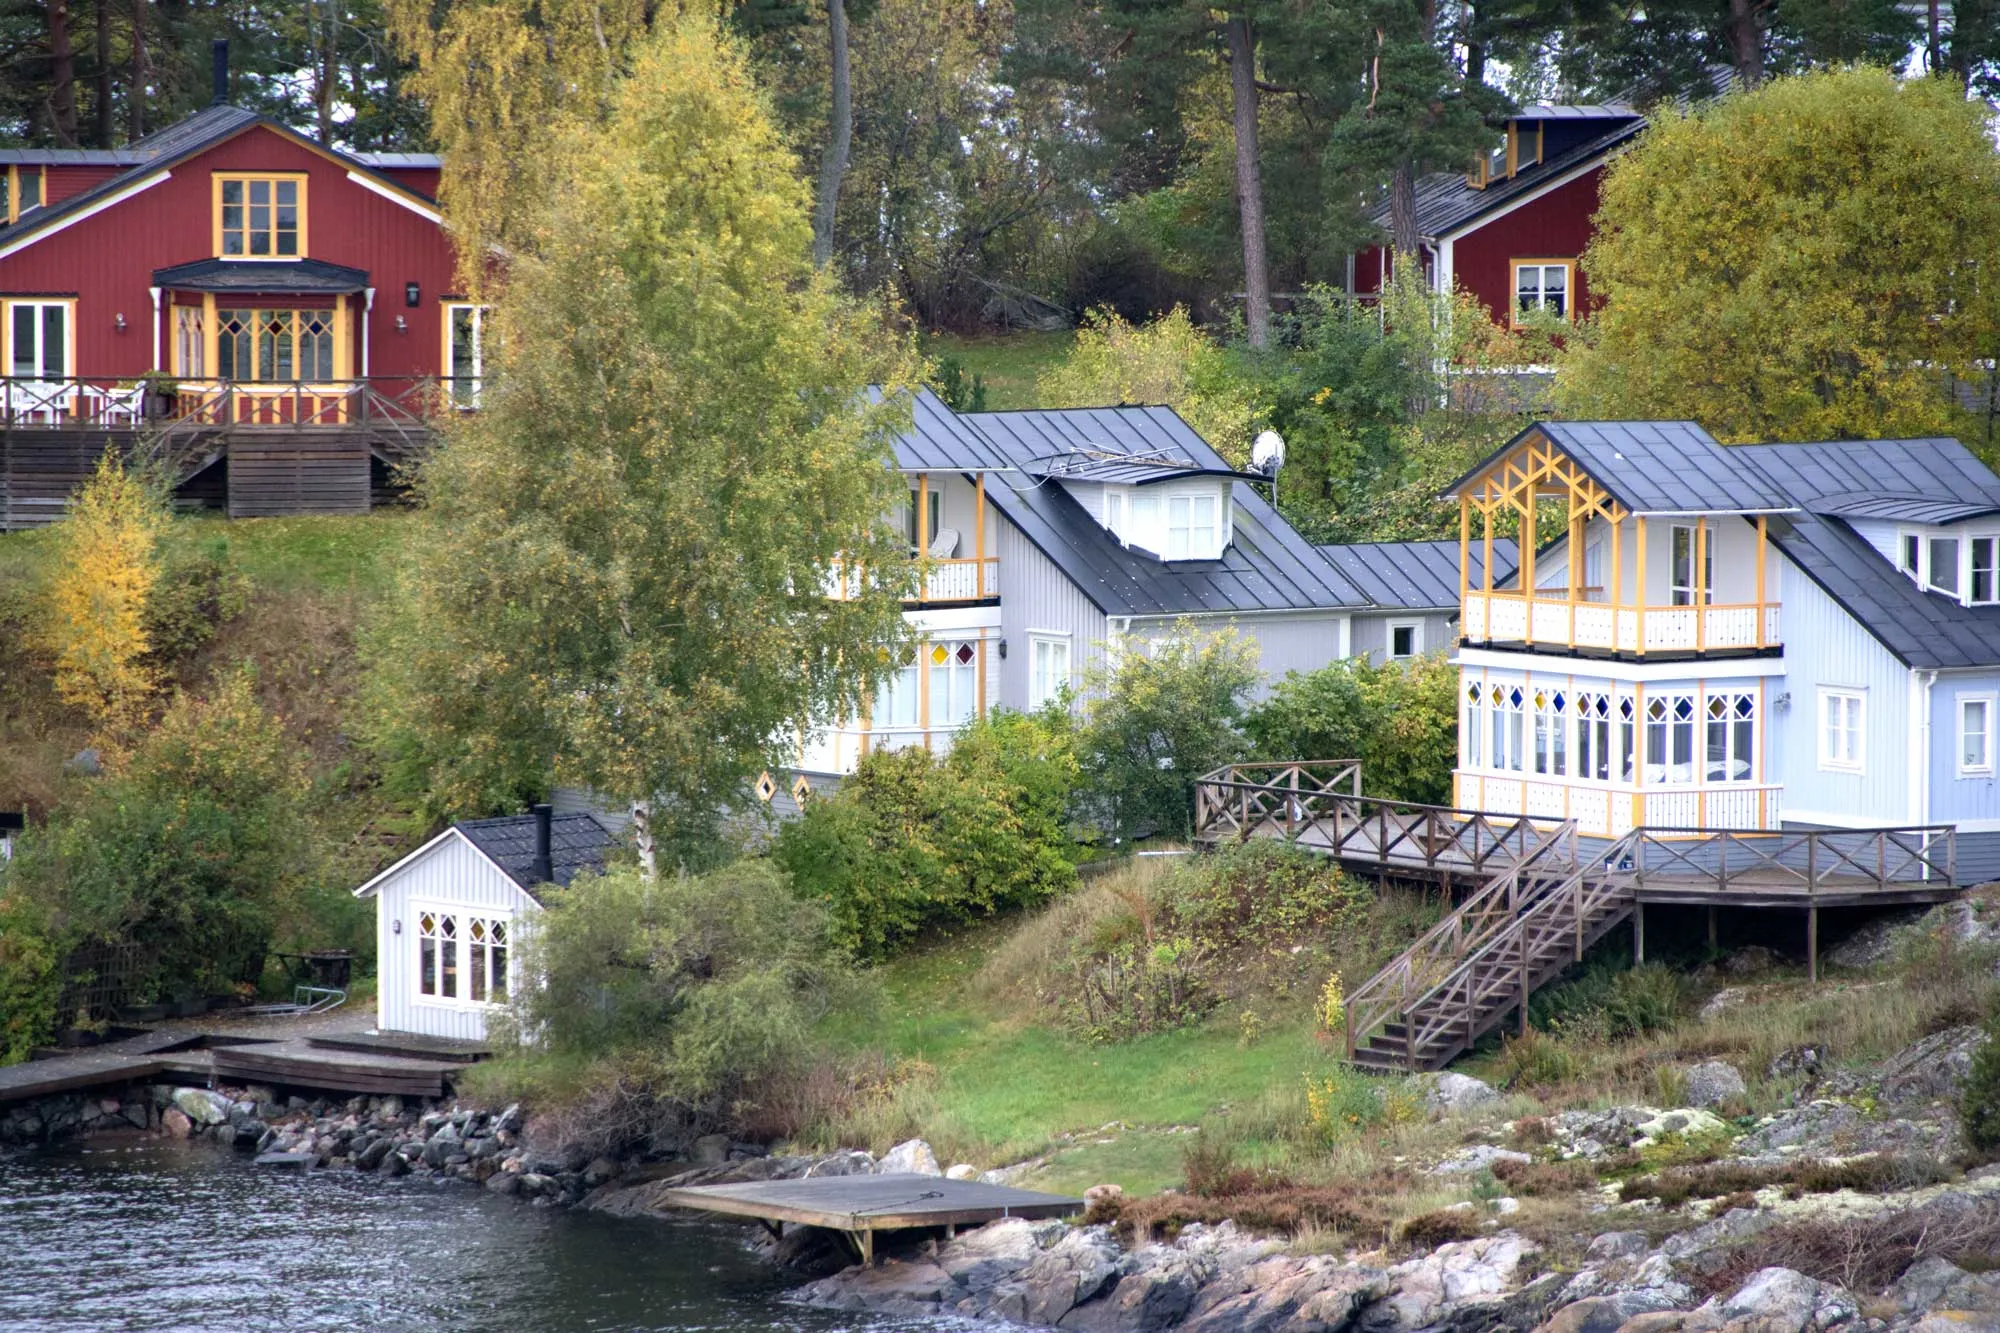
x=1414 y=590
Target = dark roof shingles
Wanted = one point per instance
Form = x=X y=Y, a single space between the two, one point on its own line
x=1417 y=576
x=577 y=842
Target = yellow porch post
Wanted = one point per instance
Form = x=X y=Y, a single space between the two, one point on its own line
x=1701 y=585
x=1528 y=563
x=1639 y=593
x=1762 y=526
x=979 y=573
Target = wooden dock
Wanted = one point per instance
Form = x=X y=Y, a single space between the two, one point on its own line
x=306 y=1063
x=860 y=1206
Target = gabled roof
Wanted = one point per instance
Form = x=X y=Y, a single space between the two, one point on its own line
x=178 y=142
x=277 y=276
x=1267 y=567
x=577 y=842
x=1654 y=467
x=1418 y=576
x=1447 y=203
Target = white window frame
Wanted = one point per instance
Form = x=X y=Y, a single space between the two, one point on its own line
x=462 y=918
x=1114 y=512
x=1188 y=538
x=1542 y=291
x=464 y=394
x=1042 y=691
x=1956 y=564
x=1735 y=725
x=1985 y=702
x=1991 y=571
x=904 y=685
x=949 y=677
x=40 y=305
x=1416 y=629
x=1836 y=754
x=1472 y=730
x=1700 y=551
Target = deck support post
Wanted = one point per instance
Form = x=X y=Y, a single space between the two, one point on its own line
x=1711 y=928
x=1812 y=943
x=1638 y=934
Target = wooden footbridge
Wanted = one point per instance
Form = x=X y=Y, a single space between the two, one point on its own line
x=1537 y=894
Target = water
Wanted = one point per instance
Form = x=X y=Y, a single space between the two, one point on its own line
x=162 y=1236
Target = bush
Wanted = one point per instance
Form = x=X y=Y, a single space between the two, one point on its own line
x=666 y=1001
x=1168 y=361
x=1979 y=1102
x=1270 y=893
x=198 y=591
x=1161 y=716
x=912 y=841
x=1399 y=719
x=1609 y=1001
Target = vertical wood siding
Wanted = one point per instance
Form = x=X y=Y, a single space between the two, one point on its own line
x=1035 y=594
x=1371 y=634
x=1304 y=642
x=452 y=875
x=1954 y=799
x=1824 y=646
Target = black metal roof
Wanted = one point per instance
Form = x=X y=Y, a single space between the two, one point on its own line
x=164 y=147
x=277 y=276
x=1418 y=576
x=1447 y=203
x=576 y=842
x=68 y=157
x=1267 y=567
x=1655 y=467
x=1107 y=464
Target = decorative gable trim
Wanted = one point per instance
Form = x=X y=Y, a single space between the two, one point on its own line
x=395 y=196
x=70 y=220
x=374 y=886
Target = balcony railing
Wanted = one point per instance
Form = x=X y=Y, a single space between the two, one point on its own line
x=969 y=579
x=1611 y=811
x=1514 y=617
x=83 y=401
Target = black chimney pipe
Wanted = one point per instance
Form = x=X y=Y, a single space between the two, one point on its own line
x=218 y=59
x=543 y=871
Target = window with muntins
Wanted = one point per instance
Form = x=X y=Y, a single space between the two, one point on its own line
x=1842 y=716
x=461 y=956
x=38 y=339
x=1683 y=540
x=896 y=700
x=1048 y=668
x=1732 y=737
x=1542 y=285
x=1943 y=571
x=1984 y=553
x=1551 y=749
x=1474 y=729
x=1193 y=527
x=260 y=217
x=1670 y=740
x=465 y=352
x=954 y=682
x=1975 y=735
x=1505 y=703
x=274 y=346
x=1593 y=737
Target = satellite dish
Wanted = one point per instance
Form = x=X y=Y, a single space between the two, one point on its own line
x=1267 y=455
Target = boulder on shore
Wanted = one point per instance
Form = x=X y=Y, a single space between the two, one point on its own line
x=910 y=1158
x=1713 y=1082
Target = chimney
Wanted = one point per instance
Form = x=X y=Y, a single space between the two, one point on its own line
x=543 y=871
x=218 y=57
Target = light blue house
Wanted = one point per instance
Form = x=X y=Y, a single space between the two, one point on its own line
x=1717 y=637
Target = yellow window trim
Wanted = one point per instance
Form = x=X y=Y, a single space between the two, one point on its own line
x=1514 y=267
x=14 y=191
x=7 y=331
x=215 y=213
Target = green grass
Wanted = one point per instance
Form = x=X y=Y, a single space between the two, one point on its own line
x=1009 y=362
x=279 y=555
x=1007 y=1088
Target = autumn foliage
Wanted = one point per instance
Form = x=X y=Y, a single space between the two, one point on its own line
x=96 y=616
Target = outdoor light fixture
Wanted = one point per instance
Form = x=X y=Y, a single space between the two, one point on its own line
x=120 y=322
x=396 y=927
x=402 y=325
x=413 y=295
x=1003 y=650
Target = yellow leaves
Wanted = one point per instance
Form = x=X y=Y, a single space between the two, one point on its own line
x=96 y=598
x=1166 y=362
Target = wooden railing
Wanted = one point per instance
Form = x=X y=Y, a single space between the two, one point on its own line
x=1515 y=617
x=965 y=579
x=1317 y=802
x=1809 y=862
x=70 y=402
x=1611 y=810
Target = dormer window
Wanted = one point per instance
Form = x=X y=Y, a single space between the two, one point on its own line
x=1193 y=527
x=1961 y=567
x=24 y=191
x=1943 y=576
x=1179 y=521
x=1522 y=148
x=260 y=216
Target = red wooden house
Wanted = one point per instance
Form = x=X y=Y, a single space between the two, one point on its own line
x=1511 y=228
x=276 y=316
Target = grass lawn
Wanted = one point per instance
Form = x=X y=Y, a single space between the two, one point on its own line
x=1009 y=361
x=1008 y=1088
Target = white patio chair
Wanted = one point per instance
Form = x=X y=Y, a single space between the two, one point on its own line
x=116 y=407
x=38 y=402
x=945 y=544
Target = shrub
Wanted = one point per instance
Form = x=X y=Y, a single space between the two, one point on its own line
x=1167 y=361
x=666 y=999
x=912 y=841
x=1137 y=989
x=1442 y=1226
x=1610 y=1001
x=1979 y=1101
x=1536 y=1060
x=1538 y=1179
x=1265 y=891
x=1399 y=719
x=1161 y=715
x=198 y=591
x=1362 y=1208
x=1863 y=1254
x=100 y=580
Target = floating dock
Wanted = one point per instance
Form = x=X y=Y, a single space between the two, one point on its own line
x=860 y=1206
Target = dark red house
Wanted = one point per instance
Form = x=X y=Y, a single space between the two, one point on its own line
x=1511 y=228
x=279 y=314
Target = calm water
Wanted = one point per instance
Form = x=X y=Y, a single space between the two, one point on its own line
x=166 y=1236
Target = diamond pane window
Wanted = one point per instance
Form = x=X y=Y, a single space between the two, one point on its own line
x=766 y=788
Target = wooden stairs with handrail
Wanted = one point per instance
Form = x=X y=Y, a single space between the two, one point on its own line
x=1541 y=895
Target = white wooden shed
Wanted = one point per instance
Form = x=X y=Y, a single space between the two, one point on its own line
x=447 y=915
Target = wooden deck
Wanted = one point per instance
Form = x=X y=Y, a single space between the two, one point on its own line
x=124 y=1061
x=860 y=1206
x=304 y=1063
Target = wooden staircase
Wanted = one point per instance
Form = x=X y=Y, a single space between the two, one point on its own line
x=1482 y=962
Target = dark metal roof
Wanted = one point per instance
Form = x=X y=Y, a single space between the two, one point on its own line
x=1109 y=461
x=182 y=139
x=1267 y=567
x=1447 y=203
x=1655 y=467
x=1576 y=111
x=68 y=157
x=1418 y=576
x=277 y=276
x=1935 y=481
x=576 y=843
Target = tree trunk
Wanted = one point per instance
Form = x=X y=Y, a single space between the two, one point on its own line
x=102 y=134
x=840 y=137
x=642 y=838
x=135 y=90
x=1933 y=60
x=1249 y=179
x=1475 y=49
x=1746 y=44
x=62 y=76
x=1404 y=238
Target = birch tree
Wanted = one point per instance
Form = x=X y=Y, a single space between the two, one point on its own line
x=619 y=579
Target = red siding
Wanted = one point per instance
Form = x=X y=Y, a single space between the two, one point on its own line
x=424 y=180
x=107 y=260
x=60 y=182
x=1557 y=225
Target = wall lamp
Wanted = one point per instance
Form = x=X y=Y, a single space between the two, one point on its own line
x=402 y=325
x=413 y=295
x=119 y=323
x=1003 y=650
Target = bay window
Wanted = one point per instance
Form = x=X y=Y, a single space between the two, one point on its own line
x=1731 y=743
x=1670 y=740
x=462 y=957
